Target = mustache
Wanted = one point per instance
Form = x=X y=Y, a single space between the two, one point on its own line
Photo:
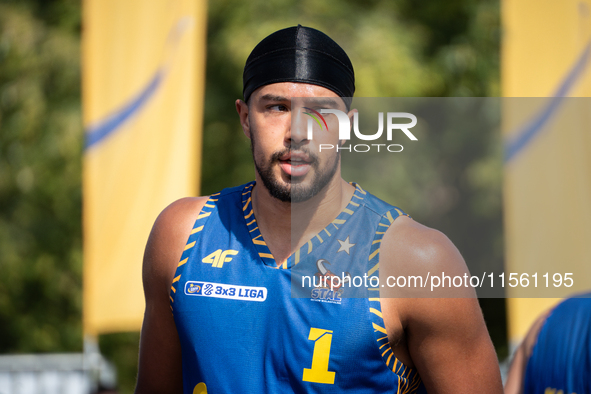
x=277 y=155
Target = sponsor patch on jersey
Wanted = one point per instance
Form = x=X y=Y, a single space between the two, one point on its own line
x=327 y=295
x=327 y=285
x=193 y=288
x=221 y=290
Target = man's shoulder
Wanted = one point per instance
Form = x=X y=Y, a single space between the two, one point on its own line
x=416 y=240
x=412 y=249
x=422 y=236
x=165 y=245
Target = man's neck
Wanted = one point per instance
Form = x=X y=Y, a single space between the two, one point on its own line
x=287 y=226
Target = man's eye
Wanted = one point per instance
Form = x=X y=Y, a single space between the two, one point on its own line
x=277 y=107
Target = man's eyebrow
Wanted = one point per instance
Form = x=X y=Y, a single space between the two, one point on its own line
x=326 y=102
x=320 y=101
x=271 y=97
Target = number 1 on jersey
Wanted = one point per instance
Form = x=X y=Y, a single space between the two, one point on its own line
x=319 y=372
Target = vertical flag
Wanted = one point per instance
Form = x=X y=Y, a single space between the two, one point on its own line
x=547 y=190
x=143 y=82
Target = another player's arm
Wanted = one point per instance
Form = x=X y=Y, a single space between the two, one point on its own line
x=160 y=350
x=447 y=339
x=514 y=384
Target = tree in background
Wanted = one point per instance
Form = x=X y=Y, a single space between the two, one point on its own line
x=40 y=164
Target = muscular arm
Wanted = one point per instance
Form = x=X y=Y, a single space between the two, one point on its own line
x=160 y=351
x=444 y=338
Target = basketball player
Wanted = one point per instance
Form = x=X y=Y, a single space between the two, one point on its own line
x=224 y=264
x=555 y=356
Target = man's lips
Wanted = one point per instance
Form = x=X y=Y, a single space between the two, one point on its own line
x=294 y=164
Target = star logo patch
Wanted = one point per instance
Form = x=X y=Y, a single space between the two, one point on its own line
x=345 y=245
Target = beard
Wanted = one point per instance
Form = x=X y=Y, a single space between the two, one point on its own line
x=291 y=191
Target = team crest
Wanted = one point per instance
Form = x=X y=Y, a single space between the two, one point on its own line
x=328 y=287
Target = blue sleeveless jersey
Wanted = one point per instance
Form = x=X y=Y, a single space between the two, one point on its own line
x=561 y=358
x=243 y=331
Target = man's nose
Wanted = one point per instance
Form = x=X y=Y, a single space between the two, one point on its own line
x=298 y=132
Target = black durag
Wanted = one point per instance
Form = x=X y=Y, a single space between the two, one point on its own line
x=299 y=54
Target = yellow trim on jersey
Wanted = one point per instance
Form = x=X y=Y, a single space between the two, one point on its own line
x=376 y=312
x=189 y=246
x=267 y=255
x=371 y=271
x=203 y=215
x=371 y=256
x=176 y=279
x=379 y=328
x=389 y=216
x=196 y=230
x=246 y=204
x=183 y=262
x=389 y=357
x=250 y=214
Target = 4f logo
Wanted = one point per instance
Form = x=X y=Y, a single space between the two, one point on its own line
x=219 y=257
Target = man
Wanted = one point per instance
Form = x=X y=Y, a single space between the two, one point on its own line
x=235 y=327
x=555 y=356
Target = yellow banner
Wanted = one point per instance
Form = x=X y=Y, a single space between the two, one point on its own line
x=143 y=82
x=547 y=190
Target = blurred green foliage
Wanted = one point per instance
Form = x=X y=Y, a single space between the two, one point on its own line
x=40 y=197
x=398 y=48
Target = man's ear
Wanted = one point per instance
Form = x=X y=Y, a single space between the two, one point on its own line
x=242 y=109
